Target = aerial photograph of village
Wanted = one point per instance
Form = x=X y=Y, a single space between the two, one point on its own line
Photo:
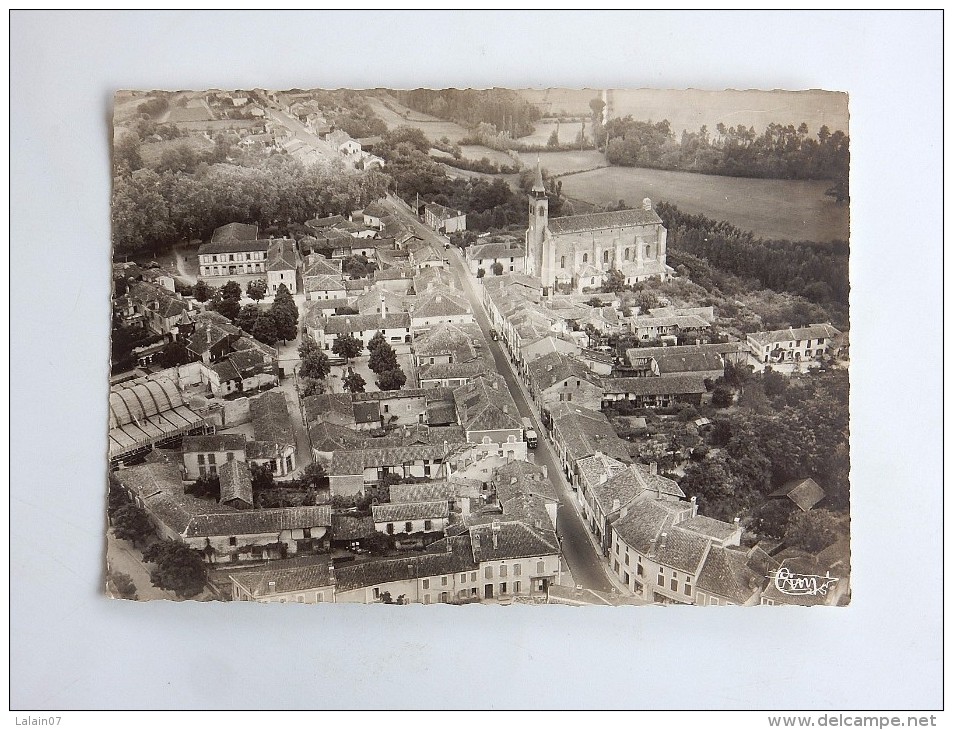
x=586 y=347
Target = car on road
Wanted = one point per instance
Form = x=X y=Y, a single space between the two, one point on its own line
x=494 y=335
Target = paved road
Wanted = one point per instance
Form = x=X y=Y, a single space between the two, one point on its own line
x=586 y=565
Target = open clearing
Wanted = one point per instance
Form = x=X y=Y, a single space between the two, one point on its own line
x=559 y=163
x=151 y=152
x=434 y=128
x=544 y=128
x=781 y=209
x=478 y=152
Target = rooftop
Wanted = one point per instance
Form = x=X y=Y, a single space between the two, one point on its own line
x=598 y=221
x=213 y=442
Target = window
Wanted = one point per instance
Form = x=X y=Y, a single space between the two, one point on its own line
x=488 y=572
x=502 y=588
x=319 y=597
x=638 y=571
x=562 y=262
x=390 y=528
x=229 y=456
x=605 y=257
x=306 y=532
x=540 y=567
x=202 y=471
x=502 y=571
x=517 y=586
x=427 y=599
x=674 y=585
x=202 y=459
x=463 y=577
x=300 y=599
x=688 y=588
x=377 y=593
x=712 y=601
x=625 y=578
x=517 y=569
x=473 y=577
x=408 y=527
x=626 y=254
x=233 y=541
x=443 y=580
x=615 y=566
x=617 y=548
x=585 y=258
x=211 y=458
x=568 y=396
x=647 y=249
x=426 y=583
x=626 y=557
x=428 y=525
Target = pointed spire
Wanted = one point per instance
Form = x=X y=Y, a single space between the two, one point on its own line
x=538 y=186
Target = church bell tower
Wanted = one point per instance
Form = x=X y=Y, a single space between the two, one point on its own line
x=536 y=233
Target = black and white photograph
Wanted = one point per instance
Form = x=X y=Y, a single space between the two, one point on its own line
x=585 y=347
x=437 y=360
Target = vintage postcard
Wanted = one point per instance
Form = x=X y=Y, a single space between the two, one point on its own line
x=585 y=347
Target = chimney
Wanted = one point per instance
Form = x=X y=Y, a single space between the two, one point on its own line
x=513 y=480
x=496 y=535
x=737 y=521
x=208 y=335
x=625 y=511
x=603 y=478
x=465 y=506
x=449 y=546
x=694 y=506
x=646 y=204
x=598 y=454
x=383 y=306
x=475 y=539
x=272 y=586
x=545 y=471
x=439 y=298
x=662 y=543
x=616 y=505
x=653 y=467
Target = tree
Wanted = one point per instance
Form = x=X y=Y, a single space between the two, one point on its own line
x=354 y=383
x=392 y=379
x=178 y=568
x=376 y=341
x=722 y=396
x=497 y=269
x=597 y=105
x=247 y=317
x=131 y=522
x=815 y=530
x=314 y=386
x=378 y=543
x=614 y=281
x=209 y=487
x=315 y=475
x=122 y=584
x=285 y=314
x=308 y=346
x=316 y=365
x=225 y=306
x=553 y=140
x=347 y=346
x=232 y=290
x=175 y=353
x=382 y=358
x=257 y=289
x=265 y=329
x=202 y=291
x=771 y=518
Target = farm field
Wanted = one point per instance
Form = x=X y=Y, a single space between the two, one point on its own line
x=434 y=128
x=782 y=209
x=152 y=151
x=558 y=102
x=559 y=163
x=477 y=152
x=544 y=128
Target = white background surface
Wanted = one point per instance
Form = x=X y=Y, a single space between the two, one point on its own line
x=73 y=649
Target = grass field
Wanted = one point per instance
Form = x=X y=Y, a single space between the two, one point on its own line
x=567 y=132
x=477 y=152
x=434 y=128
x=783 y=209
x=152 y=151
x=559 y=163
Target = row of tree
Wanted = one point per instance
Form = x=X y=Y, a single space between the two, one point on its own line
x=780 y=151
x=818 y=272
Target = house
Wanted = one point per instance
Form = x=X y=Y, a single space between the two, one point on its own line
x=350 y=531
x=274 y=446
x=557 y=378
x=727 y=579
x=220 y=532
x=235 y=485
x=336 y=408
x=212 y=337
x=374 y=214
x=660 y=550
x=655 y=328
x=412 y=522
x=509 y=254
x=234 y=253
x=204 y=455
x=655 y=392
x=601 y=363
x=577 y=432
x=249 y=366
x=830 y=570
x=447 y=343
x=160 y=311
x=290 y=581
x=380 y=301
x=404 y=407
x=439 y=306
x=399 y=280
x=729 y=352
x=282 y=265
x=326 y=438
x=443 y=219
x=488 y=414
x=804 y=493
x=606 y=485
x=351 y=470
x=149 y=412
x=396 y=328
x=325 y=287
x=793 y=344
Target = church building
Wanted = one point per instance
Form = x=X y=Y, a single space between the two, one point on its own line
x=576 y=252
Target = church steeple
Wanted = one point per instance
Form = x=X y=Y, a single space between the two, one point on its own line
x=538 y=190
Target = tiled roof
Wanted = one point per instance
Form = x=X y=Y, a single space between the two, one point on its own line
x=259 y=521
x=235 y=480
x=513 y=540
x=213 y=442
x=323 y=282
x=316 y=407
x=495 y=251
x=598 y=221
x=644 y=353
x=332 y=437
x=815 y=331
x=451 y=370
x=673 y=385
x=208 y=333
x=376 y=210
x=406 y=511
x=555 y=367
x=356 y=285
x=688 y=363
x=447 y=338
x=443 y=212
x=584 y=432
x=328 y=222
x=647 y=268
x=388 y=570
x=367 y=412
x=320 y=266
x=354 y=462
x=530 y=509
x=433 y=277
x=271 y=419
x=351 y=527
x=317 y=574
x=485 y=404
x=725 y=573
x=394 y=274
x=645 y=521
x=630 y=484
x=262 y=450
x=281 y=255
x=421 y=492
x=232 y=246
x=707 y=527
x=348 y=323
x=370 y=302
x=805 y=493
x=439 y=304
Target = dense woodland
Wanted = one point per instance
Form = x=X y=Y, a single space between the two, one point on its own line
x=502 y=108
x=818 y=272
